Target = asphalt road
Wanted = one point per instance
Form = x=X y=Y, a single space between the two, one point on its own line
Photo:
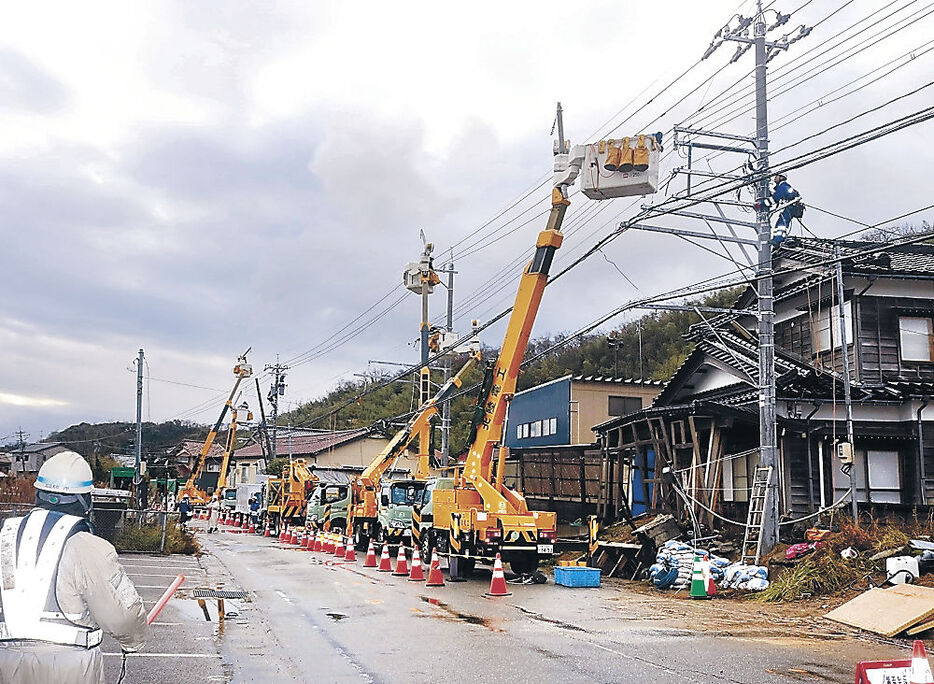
x=311 y=618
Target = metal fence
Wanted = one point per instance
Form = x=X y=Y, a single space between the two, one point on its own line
x=128 y=530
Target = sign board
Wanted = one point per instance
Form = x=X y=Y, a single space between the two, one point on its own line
x=884 y=672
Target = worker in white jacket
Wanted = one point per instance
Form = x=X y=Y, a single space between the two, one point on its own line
x=61 y=586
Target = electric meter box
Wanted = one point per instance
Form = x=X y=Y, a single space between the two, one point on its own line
x=845 y=452
x=621 y=167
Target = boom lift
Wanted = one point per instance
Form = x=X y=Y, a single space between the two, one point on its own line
x=365 y=488
x=481 y=516
x=229 y=447
x=196 y=495
x=287 y=496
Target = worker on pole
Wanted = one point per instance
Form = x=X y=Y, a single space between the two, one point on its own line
x=61 y=587
x=785 y=196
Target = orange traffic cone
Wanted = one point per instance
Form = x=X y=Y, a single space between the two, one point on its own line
x=370 y=560
x=498 y=582
x=303 y=543
x=311 y=541
x=920 y=668
x=385 y=564
x=282 y=532
x=266 y=531
x=251 y=528
x=435 y=578
x=351 y=554
x=339 y=551
x=293 y=539
x=417 y=574
x=402 y=565
x=319 y=541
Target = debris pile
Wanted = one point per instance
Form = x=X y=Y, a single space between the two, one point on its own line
x=675 y=562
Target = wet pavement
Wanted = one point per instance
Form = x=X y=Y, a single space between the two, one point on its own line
x=313 y=618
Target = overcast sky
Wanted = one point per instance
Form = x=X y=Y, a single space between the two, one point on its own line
x=198 y=178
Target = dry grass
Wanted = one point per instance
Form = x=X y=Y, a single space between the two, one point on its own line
x=149 y=538
x=825 y=572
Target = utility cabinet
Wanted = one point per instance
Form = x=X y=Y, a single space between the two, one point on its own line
x=621 y=167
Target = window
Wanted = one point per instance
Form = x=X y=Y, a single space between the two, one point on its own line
x=915 y=338
x=552 y=426
x=525 y=429
x=536 y=430
x=243 y=473
x=623 y=406
x=884 y=476
x=828 y=329
x=519 y=431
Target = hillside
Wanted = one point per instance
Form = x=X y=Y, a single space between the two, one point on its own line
x=120 y=437
x=663 y=350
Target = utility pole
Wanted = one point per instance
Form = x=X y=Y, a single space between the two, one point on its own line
x=22 y=450
x=421 y=278
x=276 y=390
x=614 y=341
x=764 y=50
x=446 y=406
x=847 y=400
x=137 y=479
x=768 y=442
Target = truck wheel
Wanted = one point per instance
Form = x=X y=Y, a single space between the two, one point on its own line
x=361 y=541
x=523 y=562
x=426 y=547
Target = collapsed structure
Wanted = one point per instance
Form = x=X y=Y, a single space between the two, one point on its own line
x=704 y=424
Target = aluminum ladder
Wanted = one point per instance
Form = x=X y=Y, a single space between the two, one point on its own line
x=752 y=539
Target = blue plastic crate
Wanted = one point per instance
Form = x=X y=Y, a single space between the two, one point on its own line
x=577 y=576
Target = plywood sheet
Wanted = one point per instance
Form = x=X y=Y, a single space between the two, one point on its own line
x=887 y=611
x=921 y=627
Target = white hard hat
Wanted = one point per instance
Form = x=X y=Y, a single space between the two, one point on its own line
x=65 y=473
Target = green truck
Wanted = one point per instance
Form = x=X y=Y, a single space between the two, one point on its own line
x=335 y=495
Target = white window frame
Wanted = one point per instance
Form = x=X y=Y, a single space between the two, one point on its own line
x=828 y=327
x=536 y=429
x=553 y=426
x=905 y=333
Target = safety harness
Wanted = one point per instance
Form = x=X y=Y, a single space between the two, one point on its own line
x=30 y=552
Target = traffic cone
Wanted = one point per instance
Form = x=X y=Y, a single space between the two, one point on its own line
x=282 y=531
x=385 y=564
x=329 y=545
x=435 y=578
x=698 y=581
x=311 y=541
x=402 y=566
x=266 y=531
x=370 y=560
x=498 y=581
x=709 y=584
x=351 y=554
x=293 y=538
x=920 y=668
x=244 y=524
x=251 y=528
x=319 y=541
x=417 y=574
x=339 y=551
x=303 y=542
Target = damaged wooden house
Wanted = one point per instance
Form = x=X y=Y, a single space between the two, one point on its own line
x=704 y=424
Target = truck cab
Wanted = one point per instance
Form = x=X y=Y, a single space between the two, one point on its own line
x=229 y=499
x=395 y=508
x=427 y=513
x=335 y=495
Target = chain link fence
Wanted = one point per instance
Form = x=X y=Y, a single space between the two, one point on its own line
x=127 y=530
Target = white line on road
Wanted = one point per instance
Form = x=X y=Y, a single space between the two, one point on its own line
x=164 y=655
x=284 y=597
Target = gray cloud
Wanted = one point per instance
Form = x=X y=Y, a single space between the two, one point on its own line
x=24 y=85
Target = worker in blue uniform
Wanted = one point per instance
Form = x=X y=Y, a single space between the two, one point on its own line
x=782 y=195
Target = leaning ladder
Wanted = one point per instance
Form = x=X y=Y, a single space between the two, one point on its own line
x=752 y=539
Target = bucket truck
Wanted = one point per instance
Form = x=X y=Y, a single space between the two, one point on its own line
x=196 y=495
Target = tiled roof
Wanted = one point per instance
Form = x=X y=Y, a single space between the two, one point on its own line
x=305 y=443
x=626 y=381
x=906 y=260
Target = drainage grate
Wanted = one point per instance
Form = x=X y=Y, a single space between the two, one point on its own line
x=218 y=594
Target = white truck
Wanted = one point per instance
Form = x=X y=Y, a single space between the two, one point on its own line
x=244 y=493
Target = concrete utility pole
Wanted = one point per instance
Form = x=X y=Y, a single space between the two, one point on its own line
x=421 y=278
x=847 y=399
x=276 y=390
x=137 y=478
x=768 y=442
x=446 y=406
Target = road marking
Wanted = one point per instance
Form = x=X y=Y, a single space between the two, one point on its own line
x=284 y=597
x=150 y=574
x=163 y=655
